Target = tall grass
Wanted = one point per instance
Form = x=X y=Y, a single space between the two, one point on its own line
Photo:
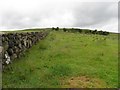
x=62 y=56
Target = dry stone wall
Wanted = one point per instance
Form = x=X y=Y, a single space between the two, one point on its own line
x=14 y=45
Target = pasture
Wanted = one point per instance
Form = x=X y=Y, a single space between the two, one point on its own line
x=67 y=60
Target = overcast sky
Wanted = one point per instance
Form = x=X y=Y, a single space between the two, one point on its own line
x=20 y=14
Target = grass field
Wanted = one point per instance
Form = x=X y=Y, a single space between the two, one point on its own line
x=67 y=60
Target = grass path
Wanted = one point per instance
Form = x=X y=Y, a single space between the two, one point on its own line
x=67 y=60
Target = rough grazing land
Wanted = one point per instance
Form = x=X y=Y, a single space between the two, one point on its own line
x=66 y=59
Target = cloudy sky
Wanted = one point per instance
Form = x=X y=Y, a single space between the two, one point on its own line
x=95 y=14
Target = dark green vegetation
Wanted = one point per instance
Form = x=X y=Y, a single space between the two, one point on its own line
x=85 y=31
x=65 y=59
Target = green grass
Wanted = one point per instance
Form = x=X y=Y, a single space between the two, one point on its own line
x=67 y=60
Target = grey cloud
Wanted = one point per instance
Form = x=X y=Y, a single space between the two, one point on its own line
x=94 y=13
x=82 y=15
x=13 y=20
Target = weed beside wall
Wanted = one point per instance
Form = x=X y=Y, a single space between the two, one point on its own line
x=14 y=45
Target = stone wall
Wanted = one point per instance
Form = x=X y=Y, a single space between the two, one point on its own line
x=14 y=45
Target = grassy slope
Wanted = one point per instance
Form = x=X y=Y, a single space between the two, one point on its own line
x=67 y=60
x=27 y=30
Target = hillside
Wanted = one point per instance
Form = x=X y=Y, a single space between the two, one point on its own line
x=65 y=59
